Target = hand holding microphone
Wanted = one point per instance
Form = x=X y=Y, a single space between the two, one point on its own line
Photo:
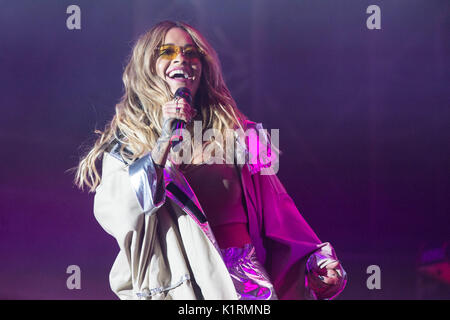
x=176 y=113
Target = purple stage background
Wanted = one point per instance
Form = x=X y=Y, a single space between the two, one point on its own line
x=363 y=118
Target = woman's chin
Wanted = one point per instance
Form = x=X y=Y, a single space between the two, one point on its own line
x=175 y=84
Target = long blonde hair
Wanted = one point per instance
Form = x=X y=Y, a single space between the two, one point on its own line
x=137 y=121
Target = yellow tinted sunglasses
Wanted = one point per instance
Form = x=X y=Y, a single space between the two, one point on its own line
x=170 y=51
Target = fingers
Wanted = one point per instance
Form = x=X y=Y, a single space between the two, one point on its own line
x=326 y=276
x=179 y=110
x=323 y=286
x=333 y=265
x=178 y=115
x=326 y=281
x=331 y=280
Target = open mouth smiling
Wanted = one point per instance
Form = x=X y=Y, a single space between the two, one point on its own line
x=180 y=74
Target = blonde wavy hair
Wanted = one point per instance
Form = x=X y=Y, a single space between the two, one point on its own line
x=137 y=120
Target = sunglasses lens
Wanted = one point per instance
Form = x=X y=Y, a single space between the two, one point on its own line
x=191 y=53
x=168 y=52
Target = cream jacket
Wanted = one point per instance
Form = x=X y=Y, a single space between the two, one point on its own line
x=154 y=261
x=168 y=251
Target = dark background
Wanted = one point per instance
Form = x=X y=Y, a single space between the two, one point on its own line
x=363 y=118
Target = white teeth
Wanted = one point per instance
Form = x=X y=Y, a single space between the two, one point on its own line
x=179 y=71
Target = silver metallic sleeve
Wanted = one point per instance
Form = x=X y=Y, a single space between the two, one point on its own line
x=250 y=279
x=147 y=181
x=315 y=267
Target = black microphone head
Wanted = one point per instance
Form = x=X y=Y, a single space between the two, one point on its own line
x=184 y=93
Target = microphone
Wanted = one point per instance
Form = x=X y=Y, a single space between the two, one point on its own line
x=178 y=125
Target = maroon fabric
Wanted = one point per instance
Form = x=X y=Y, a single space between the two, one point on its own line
x=281 y=236
x=218 y=189
x=232 y=235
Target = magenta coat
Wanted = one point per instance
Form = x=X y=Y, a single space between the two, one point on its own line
x=283 y=239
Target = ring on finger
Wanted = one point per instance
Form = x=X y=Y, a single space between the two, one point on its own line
x=177 y=107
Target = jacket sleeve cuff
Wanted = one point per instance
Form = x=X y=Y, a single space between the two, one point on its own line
x=147 y=181
x=317 y=261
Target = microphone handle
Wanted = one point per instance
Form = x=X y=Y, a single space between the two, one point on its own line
x=178 y=126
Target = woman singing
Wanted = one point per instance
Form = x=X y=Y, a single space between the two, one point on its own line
x=203 y=227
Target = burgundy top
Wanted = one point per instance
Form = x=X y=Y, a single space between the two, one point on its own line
x=219 y=191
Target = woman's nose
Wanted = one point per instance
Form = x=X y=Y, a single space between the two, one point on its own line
x=180 y=58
